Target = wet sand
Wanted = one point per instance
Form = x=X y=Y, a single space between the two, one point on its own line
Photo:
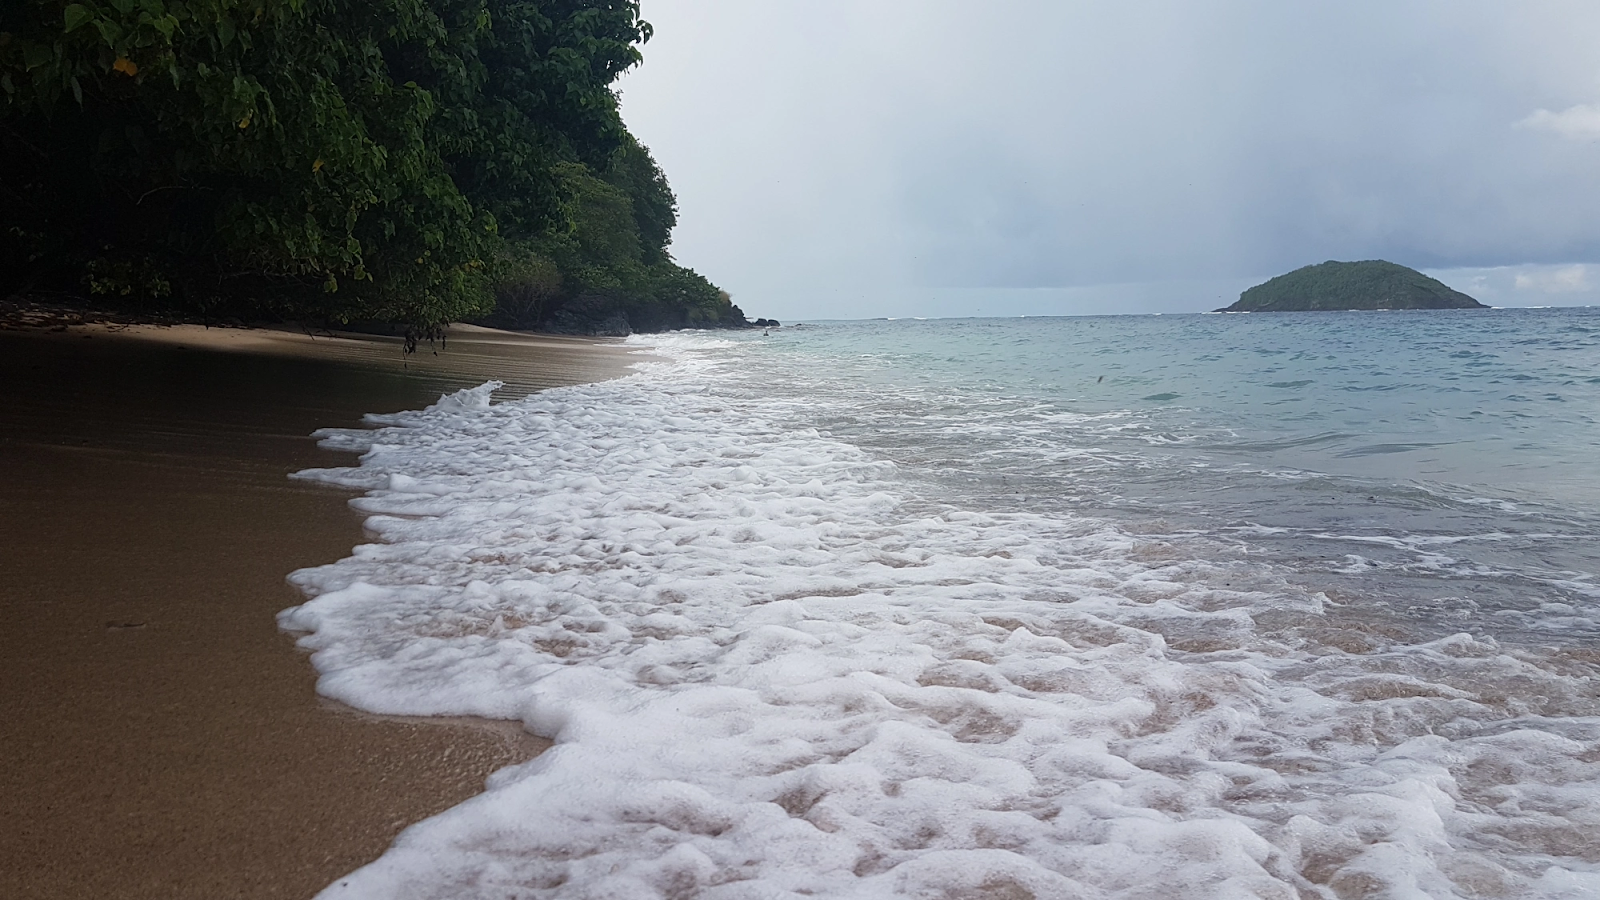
x=161 y=738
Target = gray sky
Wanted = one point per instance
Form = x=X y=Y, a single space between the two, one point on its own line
x=923 y=157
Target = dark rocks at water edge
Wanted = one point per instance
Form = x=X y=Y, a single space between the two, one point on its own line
x=610 y=324
x=617 y=324
x=1370 y=284
x=613 y=314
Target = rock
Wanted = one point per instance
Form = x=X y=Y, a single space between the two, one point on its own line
x=569 y=321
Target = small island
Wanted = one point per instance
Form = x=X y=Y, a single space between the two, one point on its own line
x=1370 y=284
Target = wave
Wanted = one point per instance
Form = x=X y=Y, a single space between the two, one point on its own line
x=771 y=669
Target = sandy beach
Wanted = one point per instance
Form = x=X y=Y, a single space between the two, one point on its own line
x=162 y=738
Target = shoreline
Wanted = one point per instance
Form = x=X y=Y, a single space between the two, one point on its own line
x=164 y=738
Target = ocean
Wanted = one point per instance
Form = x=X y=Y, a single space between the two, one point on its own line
x=1264 y=605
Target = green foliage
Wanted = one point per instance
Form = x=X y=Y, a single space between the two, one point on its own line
x=126 y=277
x=611 y=258
x=655 y=210
x=400 y=160
x=1371 y=284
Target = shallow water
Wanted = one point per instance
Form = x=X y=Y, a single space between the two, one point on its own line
x=1231 y=606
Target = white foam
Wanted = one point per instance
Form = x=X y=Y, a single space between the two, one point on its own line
x=771 y=670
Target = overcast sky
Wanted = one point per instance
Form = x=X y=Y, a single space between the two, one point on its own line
x=920 y=157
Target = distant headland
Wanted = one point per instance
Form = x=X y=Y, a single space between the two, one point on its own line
x=1370 y=284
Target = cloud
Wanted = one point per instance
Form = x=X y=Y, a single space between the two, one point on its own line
x=1569 y=284
x=1581 y=122
x=1555 y=280
x=837 y=158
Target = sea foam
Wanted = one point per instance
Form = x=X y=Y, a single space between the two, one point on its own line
x=770 y=668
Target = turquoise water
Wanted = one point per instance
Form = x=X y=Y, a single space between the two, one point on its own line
x=1206 y=606
x=1435 y=465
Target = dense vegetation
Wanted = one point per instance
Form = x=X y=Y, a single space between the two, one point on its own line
x=1372 y=284
x=406 y=161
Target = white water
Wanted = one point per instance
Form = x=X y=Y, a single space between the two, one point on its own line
x=772 y=669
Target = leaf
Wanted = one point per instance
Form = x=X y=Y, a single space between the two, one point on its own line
x=36 y=55
x=75 y=15
x=225 y=30
x=110 y=32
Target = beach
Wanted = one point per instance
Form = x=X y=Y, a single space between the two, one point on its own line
x=1127 y=607
x=163 y=738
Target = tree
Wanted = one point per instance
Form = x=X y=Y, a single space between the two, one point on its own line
x=350 y=159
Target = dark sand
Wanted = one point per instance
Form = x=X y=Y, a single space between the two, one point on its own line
x=161 y=738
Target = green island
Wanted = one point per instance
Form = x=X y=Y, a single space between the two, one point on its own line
x=1370 y=284
x=402 y=162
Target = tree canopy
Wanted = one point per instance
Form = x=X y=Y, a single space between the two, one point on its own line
x=1369 y=284
x=398 y=160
